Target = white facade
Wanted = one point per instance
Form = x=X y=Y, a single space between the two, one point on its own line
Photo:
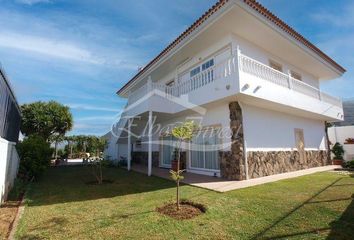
x=275 y=78
x=340 y=134
x=9 y=162
x=267 y=130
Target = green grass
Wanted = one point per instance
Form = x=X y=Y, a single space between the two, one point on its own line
x=62 y=206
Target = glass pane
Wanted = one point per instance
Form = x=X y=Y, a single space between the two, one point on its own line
x=197 y=153
x=167 y=150
x=211 y=153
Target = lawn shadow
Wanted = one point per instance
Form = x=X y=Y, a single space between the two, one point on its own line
x=336 y=229
x=68 y=184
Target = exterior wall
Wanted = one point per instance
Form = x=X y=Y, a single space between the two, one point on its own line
x=142 y=158
x=122 y=150
x=259 y=54
x=267 y=130
x=339 y=134
x=262 y=164
x=112 y=148
x=271 y=147
x=9 y=162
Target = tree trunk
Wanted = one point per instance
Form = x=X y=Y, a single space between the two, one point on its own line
x=178 y=164
x=56 y=150
x=101 y=177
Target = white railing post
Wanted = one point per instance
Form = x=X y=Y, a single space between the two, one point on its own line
x=129 y=159
x=290 y=83
x=236 y=54
x=150 y=144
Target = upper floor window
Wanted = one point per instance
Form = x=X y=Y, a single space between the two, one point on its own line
x=275 y=65
x=295 y=75
x=195 y=71
x=207 y=64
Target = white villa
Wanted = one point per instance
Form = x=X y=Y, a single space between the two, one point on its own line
x=241 y=70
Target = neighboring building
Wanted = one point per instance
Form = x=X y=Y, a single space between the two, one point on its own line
x=241 y=71
x=10 y=120
x=343 y=130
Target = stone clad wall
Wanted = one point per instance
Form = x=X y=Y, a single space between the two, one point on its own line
x=142 y=158
x=262 y=164
x=232 y=162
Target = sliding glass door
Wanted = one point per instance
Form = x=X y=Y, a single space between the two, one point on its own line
x=168 y=146
x=204 y=151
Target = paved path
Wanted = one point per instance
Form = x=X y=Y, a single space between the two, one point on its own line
x=222 y=185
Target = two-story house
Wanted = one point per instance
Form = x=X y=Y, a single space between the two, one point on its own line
x=250 y=81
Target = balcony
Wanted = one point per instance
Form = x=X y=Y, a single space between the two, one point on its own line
x=240 y=75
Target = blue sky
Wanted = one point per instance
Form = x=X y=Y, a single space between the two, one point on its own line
x=79 y=52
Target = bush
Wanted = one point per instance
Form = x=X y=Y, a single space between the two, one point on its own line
x=35 y=154
x=338 y=151
x=17 y=190
x=350 y=164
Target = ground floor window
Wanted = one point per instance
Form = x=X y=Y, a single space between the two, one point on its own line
x=204 y=151
x=168 y=147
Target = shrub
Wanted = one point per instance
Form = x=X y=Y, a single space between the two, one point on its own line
x=35 y=154
x=338 y=151
x=350 y=164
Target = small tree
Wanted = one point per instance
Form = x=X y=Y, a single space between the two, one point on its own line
x=183 y=133
x=45 y=119
x=338 y=151
x=97 y=146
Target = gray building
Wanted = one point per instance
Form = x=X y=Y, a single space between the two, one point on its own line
x=348 y=109
x=10 y=117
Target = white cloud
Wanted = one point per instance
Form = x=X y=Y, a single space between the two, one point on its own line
x=47 y=47
x=344 y=18
x=32 y=2
x=91 y=107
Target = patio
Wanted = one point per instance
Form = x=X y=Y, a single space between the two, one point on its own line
x=223 y=185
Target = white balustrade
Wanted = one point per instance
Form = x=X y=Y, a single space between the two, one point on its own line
x=225 y=69
x=262 y=71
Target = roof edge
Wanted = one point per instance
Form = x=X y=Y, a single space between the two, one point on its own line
x=257 y=7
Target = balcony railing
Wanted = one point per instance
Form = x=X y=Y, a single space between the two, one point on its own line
x=260 y=70
x=225 y=69
x=215 y=73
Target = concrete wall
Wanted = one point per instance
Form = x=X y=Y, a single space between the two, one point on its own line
x=339 y=134
x=9 y=162
x=112 y=147
x=267 y=130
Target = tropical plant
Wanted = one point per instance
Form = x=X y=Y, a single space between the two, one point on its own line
x=45 y=119
x=56 y=139
x=35 y=154
x=184 y=132
x=338 y=151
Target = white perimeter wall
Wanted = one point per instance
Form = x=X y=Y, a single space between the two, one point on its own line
x=267 y=130
x=9 y=162
x=112 y=147
x=339 y=134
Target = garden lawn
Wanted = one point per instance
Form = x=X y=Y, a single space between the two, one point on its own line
x=62 y=206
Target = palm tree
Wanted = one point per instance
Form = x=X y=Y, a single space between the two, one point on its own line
x=56 y=139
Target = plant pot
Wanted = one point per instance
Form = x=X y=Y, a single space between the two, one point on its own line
x=337 y=162
x=174 y=164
